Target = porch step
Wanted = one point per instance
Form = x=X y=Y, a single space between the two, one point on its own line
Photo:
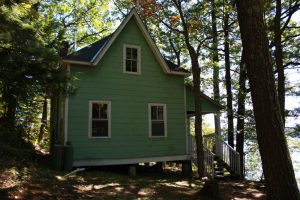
x=225 y=166
x=222 y=169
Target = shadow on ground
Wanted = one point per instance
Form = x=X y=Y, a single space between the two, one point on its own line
x=36 y=182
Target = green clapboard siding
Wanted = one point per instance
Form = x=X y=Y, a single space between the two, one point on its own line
x=129 y=95
x=206 y=105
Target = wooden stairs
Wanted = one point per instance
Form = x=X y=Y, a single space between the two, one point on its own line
x=223 y=170
x=221 y=160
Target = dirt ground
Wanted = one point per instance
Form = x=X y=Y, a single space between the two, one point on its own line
x=240 y=190
x=19 y=181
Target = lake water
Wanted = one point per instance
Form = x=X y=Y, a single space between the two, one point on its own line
x=296 y=162
x=295 y=156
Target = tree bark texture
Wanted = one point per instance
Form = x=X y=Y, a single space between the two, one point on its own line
x=240 y=127
x=11 y=106
x=198 y=114
x=43 y=120
x=216 y=72
x=279 y=59
x=228 y=78
x=276 y=161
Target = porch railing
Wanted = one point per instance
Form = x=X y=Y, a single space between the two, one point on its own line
x=209 y=168
x=225 y=152
x=230 y=156
x=208 y=158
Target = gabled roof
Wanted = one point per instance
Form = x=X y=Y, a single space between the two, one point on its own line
x=92 y=54
x=87 y=53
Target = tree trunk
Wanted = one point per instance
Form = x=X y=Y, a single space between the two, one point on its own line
x=240 y=132
x=198 y=114
x=216 y=73
x=278 y=59
x=196 y=82
x=43 y=120
x=228 y=78
x=11 y=107
x=276 y=161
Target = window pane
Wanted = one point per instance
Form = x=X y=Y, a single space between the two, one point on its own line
x=99 y=128
x=128 y=53
x=158 y=129
x=160 y=112
x=103 y=111
x=134 y=66
x=153 y=112
x=95 y=111
x=134 y=54
x=128 y=65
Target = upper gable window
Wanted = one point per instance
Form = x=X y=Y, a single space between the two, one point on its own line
x=132 y=59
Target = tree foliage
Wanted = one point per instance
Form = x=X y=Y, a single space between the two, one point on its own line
x=32 y=40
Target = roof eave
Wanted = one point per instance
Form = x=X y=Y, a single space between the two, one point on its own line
x=212 y=100
x=207 y=97
x=186 y=74
x=77 y=62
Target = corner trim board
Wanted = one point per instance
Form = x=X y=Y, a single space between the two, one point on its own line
x=66 y=114
x=185 y=121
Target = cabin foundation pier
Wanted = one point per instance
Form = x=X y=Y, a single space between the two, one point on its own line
x=132 y=170
x=186 y=168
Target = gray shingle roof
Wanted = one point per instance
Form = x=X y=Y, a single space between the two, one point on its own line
x=87 y=53
x=174 y=67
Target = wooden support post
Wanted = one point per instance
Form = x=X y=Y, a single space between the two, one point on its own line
x=186 y=168
x=132 y=170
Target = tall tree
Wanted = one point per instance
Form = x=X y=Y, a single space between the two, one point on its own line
x=196 y=71
x=279 y=59
x=228 y=74
x=269 y=123
x=240 y=127
x=216 y=67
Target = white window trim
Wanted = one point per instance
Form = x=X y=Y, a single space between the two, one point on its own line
x=108 y=117
x=138 y=59
x=165 y=119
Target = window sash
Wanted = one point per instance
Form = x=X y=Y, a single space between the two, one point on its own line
x=100 y=129
x=157 y=120
x=158 y=128
x=131 y=59
x=99 y=119
x=99 y=110
x=131 y=56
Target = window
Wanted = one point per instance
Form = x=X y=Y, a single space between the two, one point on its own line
x=157 y=120
x=132 y=59
x=99 y=123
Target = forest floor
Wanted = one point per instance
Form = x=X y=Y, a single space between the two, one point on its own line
x=20 y=180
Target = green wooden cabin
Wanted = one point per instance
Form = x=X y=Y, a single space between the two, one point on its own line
x=131 y=105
